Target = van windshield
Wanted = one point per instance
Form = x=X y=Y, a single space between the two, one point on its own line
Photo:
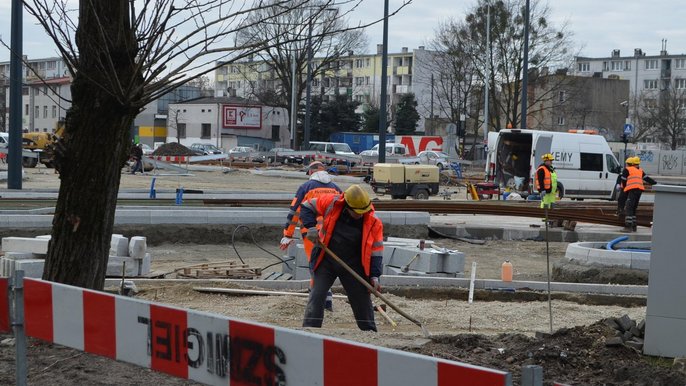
x=317 y=146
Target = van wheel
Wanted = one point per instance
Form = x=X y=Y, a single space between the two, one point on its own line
x=29 y=162
x=421 y=194
x=398 y=196
x=440 y=166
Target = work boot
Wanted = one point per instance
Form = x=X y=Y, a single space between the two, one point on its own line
x=328 y=305
x=634 y=228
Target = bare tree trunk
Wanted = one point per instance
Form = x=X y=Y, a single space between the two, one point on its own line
x=95 y=147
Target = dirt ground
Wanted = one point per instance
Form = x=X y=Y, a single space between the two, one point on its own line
x=497 y=330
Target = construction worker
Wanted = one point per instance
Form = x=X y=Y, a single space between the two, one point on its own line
x=320 y=183
x=546 y=181
x=632 y=182
x=351 y=230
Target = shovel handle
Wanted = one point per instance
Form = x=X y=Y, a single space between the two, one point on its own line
x=369 y=286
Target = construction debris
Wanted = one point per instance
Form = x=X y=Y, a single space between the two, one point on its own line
x=219 y=270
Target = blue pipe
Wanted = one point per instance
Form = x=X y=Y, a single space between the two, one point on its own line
x=610 y=245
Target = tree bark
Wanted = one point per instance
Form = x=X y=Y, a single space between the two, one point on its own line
x=95 y=146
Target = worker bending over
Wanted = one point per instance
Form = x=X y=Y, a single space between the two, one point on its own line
x=320 y=183
x=632 y=182
x=546 y=181
x=351 y=230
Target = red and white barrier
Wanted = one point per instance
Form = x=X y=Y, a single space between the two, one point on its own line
x=170 y=158
x=4 y=306
x=217 y=350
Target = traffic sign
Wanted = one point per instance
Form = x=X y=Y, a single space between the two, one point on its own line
x=628 y=129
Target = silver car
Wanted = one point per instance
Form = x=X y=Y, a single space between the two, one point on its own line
x=431 y=157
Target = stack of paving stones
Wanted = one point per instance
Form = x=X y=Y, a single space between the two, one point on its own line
x=398 y=254
x=627 y=332
x=28 y=254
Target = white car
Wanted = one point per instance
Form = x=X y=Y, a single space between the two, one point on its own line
x=391 y=148
x=431 y=157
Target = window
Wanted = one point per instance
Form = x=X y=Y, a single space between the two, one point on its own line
x=650 y=103
x=584 y=67
x=680 y=83
x=562 y=96
x=606 y=66
x=36 y=112
x=367 y=62
x=26 y=109
x=627 y=65
x=592 y=162
x=181 y=130
x=205 y=130
x=680 y=64
x=359 y=81
x=275 y=132
x=51 y=65
x=616 y=65
x=45 y=111
x=366 y=81
x=650 y=84
x=54 y=111
x=651 y=64
x=612 y=165
x=561 y=121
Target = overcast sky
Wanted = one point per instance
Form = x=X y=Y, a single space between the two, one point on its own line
x=599 y=26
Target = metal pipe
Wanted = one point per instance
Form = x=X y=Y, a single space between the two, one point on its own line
x=16 y=83
x=525 y=75
x=384 y=86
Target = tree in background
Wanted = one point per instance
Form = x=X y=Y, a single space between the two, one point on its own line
x=662 y=113
x=122 y=57
x=333 y=116
x=406 y=115
x=370 y=119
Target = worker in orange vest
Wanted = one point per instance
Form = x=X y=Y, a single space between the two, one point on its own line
x=351 y=230
x=320 y=183
x=546 y=181
x=632 y=182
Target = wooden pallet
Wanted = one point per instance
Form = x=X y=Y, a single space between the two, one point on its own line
x=219 y=270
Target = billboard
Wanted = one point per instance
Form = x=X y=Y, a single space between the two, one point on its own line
x=241 y=117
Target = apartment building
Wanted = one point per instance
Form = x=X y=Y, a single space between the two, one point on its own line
x=650 y=76
x=358 y=76
x=45 y=93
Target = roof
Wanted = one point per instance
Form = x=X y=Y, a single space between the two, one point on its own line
x=221 y=100
x=61 y=80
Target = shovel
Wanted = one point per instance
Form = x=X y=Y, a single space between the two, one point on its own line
x=373 y=290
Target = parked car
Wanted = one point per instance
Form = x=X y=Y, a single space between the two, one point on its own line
x=245 y=153
x=332 y=147
x=438 y=158
x=206 y=149
x=283 y=155
x=391 y=148
x=147 y=150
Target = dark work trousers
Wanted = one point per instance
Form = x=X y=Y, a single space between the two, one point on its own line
x=358 y=295
x=621 y=202
x=633 y=196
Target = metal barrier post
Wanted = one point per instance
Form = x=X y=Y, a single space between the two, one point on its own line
x=532 y=375
x=18 y=327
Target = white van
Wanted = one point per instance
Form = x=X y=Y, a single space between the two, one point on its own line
x=585 y=165
x=339 y=148
x=4 y=139
x=391 y=148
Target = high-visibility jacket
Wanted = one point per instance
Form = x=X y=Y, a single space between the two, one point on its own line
x=546 y=183
x=306 y=191
x=330 y=206
x=634 y=179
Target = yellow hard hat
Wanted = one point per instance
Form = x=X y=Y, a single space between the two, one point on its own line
x=547 y=157
x=357 y=199
x=633 y=161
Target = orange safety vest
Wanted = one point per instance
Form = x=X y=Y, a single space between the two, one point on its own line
x=547 y=181
x=294 y=221
x=635 y=179
x=330 y=207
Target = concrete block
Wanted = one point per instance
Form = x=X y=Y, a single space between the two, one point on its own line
x=577 y=252
x=177 y=217
x=137 y=247
x=301 y=273
x=48 y=237
x=22 y=255
x=245 y=217
x=426 y=261
x=119 y=245
x=610 y=258
x=144 y=265
x=640 y=260
x=453 y=262
x=134 y=216
x=115 y=263
x=397 y=218
x=30 y=221
x=25 y=244
x=32 y=268
x=273 y=218
x=417 y=218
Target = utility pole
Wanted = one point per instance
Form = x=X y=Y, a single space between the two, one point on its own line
x=293 y=101
x=432 y=104
x=384 y=75
x=16 y=83
x=488 y=70
x=308 y=97
x=525 y=75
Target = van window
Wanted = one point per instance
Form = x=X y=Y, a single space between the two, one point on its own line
x=592 y=162
x=342 y=147
x=317 y=146
x=400 y=150
x=612 y=165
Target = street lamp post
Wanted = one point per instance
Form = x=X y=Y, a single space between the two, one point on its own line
x=308 y=92
x=627 y=121
x=384 y=85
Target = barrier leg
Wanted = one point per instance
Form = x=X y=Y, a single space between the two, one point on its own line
x=18 y=327
x=179 y=196
x=153 y=192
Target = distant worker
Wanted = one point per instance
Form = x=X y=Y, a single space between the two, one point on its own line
x=137 y=158
x=632 y=182
x=351 y=230
x=546 y=181
x=320 y=183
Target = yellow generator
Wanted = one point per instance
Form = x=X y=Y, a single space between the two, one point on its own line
x=400 y=181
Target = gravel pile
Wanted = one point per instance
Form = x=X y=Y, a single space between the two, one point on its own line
x=173 y=148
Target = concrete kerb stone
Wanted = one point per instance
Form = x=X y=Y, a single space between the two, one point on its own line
x=27 y=221
x=587 y=253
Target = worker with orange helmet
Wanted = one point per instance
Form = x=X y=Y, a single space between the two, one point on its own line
x=633 y=181
x=351 y=231
x=546 y=181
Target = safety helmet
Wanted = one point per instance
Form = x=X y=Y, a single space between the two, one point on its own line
x=633 y=161
x=315 y=166
x=357 y=199
x=547 y=157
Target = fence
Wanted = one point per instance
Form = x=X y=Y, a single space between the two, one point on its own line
x=660 y=162
x=213 y=349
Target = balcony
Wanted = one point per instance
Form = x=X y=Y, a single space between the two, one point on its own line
x=402 y=70
x=401 y=89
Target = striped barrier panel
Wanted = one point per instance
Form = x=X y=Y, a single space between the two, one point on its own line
x=218 y=350
x=170 y=158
